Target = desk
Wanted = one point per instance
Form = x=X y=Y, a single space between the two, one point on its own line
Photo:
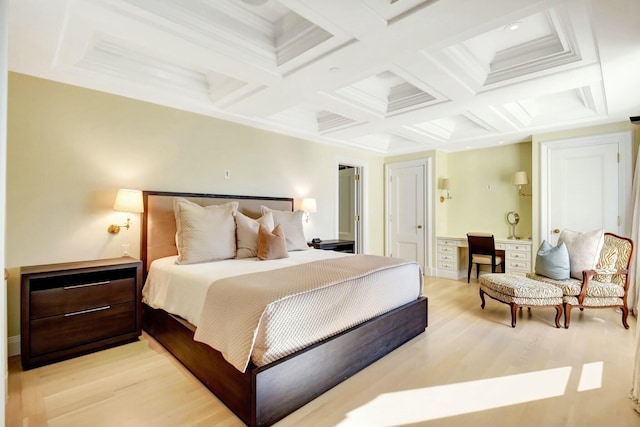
x=452 y=256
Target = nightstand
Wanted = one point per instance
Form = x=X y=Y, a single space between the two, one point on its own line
x=335 y=245
x=75 y=308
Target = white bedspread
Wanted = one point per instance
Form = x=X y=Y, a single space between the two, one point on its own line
x=181 y=289
x=288 y=324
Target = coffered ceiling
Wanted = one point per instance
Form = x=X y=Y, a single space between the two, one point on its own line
x=385 y=76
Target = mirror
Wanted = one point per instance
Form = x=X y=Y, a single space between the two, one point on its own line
x=513 y=218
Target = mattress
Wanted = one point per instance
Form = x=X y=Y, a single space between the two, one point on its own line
x=291 y=323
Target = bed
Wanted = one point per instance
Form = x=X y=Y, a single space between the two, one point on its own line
x=265 y=392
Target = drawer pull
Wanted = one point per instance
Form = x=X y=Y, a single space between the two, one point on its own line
x=106 y=282
x=91 y=310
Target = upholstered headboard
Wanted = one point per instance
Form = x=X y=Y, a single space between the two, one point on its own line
x=159 y=224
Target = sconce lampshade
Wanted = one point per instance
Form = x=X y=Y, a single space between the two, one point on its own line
x=309 y=205
x=129 y=201
x=519 y=178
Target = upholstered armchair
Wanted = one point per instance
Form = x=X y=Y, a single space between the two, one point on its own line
x=606 y=286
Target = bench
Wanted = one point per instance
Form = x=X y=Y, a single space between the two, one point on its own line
x=518 y=291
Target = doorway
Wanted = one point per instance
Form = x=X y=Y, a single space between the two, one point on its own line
x=407 y=213
x=350 y=205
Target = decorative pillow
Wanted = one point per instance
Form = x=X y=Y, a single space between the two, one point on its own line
x=291 y=225
x=271 y=244
x=584 y=249
x=553 y=261
x=204 y=233
x=247 y=233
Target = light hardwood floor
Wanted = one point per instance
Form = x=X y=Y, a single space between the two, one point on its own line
x=469 y=368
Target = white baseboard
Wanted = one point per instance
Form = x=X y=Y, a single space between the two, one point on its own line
x=13 y=345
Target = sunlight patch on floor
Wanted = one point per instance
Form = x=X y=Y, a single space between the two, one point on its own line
x=591 y=376
x=411 y=406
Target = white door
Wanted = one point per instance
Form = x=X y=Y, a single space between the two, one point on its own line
x=347 y=193
x=406 y=219
x=588 y=184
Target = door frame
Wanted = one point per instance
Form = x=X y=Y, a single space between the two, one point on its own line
x=427 y=209
x=361 y=243
x=625 y=171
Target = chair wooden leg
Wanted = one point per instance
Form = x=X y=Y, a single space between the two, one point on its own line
x=477 y=271
x=567 y=315
x=625 y=314
x=558 y=314
x=482 y=298
x=469 y=272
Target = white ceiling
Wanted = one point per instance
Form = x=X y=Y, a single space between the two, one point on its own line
x=385 y=76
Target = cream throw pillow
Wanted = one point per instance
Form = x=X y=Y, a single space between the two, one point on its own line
x=204 y=233
x=247 y=233
x=271 y=244
x=291 y=225
x=584 y=249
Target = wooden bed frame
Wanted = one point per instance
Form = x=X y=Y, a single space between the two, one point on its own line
x=263 y=395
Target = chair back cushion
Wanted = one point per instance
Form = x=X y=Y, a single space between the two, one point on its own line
x=615 y=255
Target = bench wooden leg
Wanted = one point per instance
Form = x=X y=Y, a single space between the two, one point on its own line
x=514 y=310
x=482 y=298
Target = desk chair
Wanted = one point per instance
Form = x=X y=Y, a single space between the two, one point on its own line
x=482 y=250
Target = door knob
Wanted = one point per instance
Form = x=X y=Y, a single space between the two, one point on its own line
x=556 y=231
x=419 y=226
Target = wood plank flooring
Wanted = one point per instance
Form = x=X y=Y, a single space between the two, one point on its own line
x=469 y=368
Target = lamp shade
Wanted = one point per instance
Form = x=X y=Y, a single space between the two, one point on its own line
x=309 y=204
x=519 y=178
x=129 y=201
x=445 y=184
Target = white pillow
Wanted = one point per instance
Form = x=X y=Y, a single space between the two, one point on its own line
x=204 y=233
x=247 y=233
x=584 y=249
x=291 y=223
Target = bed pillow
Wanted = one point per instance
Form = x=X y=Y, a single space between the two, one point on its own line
x=584 y=249
x=553 y=261
x=204 y=233
x=271 y=244
x=291 y=225
x=247 y=233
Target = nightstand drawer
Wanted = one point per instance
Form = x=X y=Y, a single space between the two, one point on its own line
x=80 y=327
x=81 y=296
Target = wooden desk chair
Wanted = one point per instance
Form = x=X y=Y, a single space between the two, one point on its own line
x=482 y=251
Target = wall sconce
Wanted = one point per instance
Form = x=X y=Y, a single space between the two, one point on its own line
x=520 y=178
x=129 y=201
x=308 y=205
x=444 y=185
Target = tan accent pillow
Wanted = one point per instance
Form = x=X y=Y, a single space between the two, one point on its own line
x=291 y=225
x=271 y=244
x=247 y=233
x=204 y=233
x=584 y=249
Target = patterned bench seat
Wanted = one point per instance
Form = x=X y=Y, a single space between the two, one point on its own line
x=517 y=291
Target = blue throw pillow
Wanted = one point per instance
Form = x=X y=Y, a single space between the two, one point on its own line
x=553 y=261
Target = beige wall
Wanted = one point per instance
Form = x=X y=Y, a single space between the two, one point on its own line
x=70 y=149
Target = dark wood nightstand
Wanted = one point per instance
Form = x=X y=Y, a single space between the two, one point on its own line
x=75 y=308
x=335 y=245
